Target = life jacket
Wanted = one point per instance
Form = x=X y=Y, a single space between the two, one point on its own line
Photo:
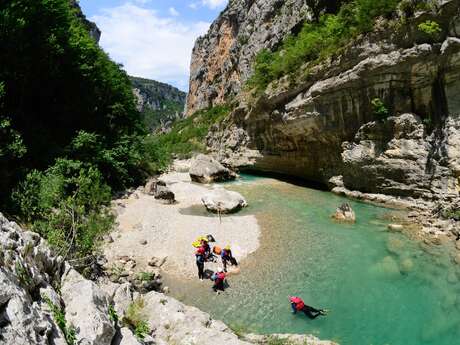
x=206 y=246
x=200 y=251
x=297 y=301
x=220 y=276
x=217 y=250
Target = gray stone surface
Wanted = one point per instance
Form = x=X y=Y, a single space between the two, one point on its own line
x=221 y=200
x=86 y=309
x=26 y=268
x=345 y=213
x=205 y=169
x=222 y=59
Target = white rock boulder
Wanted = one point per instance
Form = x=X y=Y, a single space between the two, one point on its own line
x=220 y=200
x=86 y=309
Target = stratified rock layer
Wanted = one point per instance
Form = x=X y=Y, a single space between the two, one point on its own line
x=322 y=123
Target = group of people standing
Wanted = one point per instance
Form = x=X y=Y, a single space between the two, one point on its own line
x=204 y=254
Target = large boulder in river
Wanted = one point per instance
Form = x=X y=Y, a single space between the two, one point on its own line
x=205 y=169
x=344 y=213
x=223 y=201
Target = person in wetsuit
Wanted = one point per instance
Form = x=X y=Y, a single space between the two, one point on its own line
x=227 y=257
x=200 y=259
x=219 y=279
x=297 y=304
x=206 y=247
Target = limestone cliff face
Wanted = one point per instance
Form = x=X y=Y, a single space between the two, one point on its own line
x=323 y=124
x=160 y=104
x=221 y=60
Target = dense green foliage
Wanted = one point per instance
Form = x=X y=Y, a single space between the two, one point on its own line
x=69 y=129
x=379 y=108
x=155 y=119
x=320 y=39
x=430 y=28
x=66 y=205
x=186 y=137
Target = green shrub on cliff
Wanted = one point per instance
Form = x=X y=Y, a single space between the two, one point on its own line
x=186 y=137
x=65 y=204
x=379 y=108
x=430 y=28
x=319 y=39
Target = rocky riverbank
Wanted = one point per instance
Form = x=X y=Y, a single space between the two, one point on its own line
x=44 y=301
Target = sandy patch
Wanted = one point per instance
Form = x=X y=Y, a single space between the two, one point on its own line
x=170 y=229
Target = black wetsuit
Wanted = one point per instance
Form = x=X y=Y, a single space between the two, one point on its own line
x=227 y=257
x=200 y=265
x=311 y=312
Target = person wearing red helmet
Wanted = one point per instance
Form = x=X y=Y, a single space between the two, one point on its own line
x=297 y=304
x=200 y=259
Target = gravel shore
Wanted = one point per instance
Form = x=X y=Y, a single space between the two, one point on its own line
x=148 y=228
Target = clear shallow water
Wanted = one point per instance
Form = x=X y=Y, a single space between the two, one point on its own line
x=380 y=287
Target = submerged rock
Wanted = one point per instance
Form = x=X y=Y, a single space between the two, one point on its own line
x=387 y=267
x=395 y=245
x=223 y=201
x=205 y=169
x=406 y=265
x=457 y=258
x=395 y=227
x=345 y=213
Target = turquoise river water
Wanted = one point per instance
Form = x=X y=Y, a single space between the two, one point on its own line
x=381 y=288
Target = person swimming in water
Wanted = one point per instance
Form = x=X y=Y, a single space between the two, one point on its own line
x=297 y=304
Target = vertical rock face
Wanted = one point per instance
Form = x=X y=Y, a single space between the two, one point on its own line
x=222 y=59
x=324 y=124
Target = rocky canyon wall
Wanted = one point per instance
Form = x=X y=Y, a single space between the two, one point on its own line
x=323 y=123
x=222 y=59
